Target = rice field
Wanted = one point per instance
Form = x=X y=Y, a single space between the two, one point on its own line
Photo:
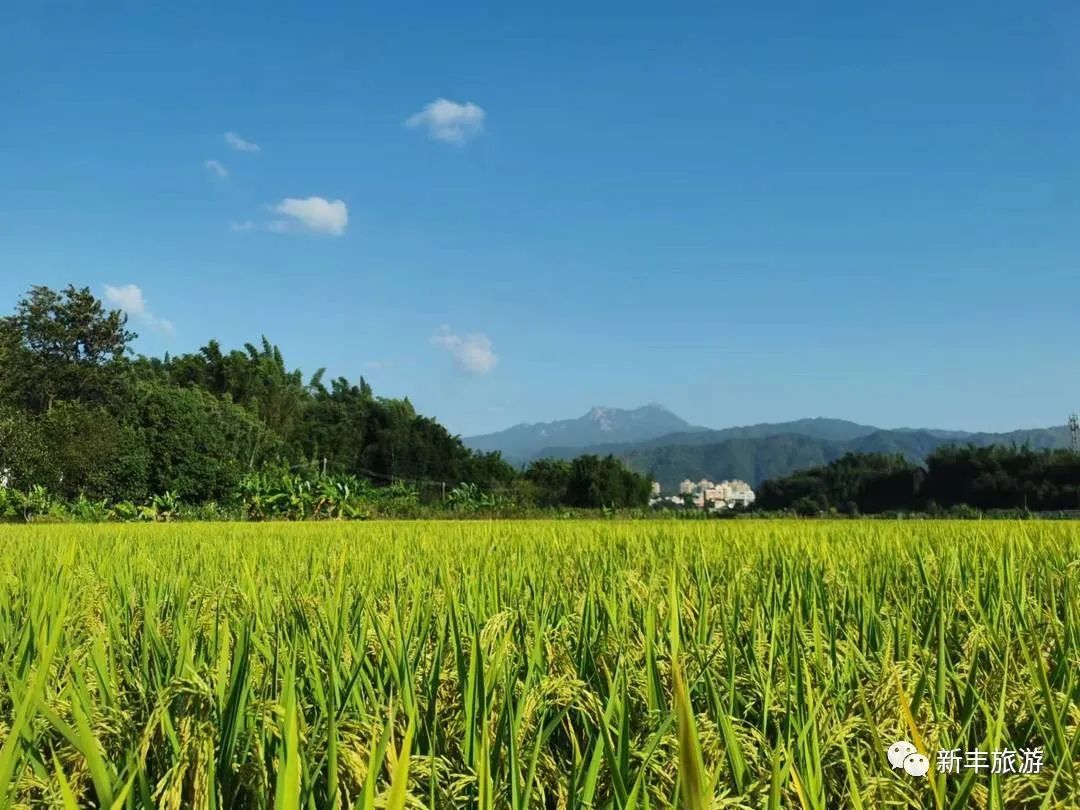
x=561 y=664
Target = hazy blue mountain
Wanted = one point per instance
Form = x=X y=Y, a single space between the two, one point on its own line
x=752 y=460
x=598 y=426
x=757 y=459
x=818 y=427
x=814 y=428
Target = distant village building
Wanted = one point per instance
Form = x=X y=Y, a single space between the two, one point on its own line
x=656 y=489
x=707 y=495
x=729 y=494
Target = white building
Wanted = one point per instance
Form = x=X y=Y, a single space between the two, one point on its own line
x=707 y=495
x=725 y=495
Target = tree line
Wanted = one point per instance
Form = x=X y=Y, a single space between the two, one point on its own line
x=82 y=417
x=954 y=477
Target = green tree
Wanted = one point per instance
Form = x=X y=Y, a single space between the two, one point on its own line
x=198 y=445
x=91 y=452
x=998 y=477
x=596 y=482
x=550 y=477
x=24 y=458
x=61 y=346
x=854 y=483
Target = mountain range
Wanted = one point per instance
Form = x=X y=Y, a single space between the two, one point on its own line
x=655 y=441
x=522 y=443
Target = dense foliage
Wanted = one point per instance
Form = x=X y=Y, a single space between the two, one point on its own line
x=535 y=665
x=82 y=421
x=984 y=478
x=588 y=482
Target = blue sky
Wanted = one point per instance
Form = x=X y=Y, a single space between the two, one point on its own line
x=747 y=213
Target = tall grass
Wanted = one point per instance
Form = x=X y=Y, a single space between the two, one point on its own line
x=555 y=665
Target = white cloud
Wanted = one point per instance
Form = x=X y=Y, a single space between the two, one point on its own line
x=472 y=354
x=449 y=121
x=215 y=167
x=244 y=225
x=313 y=214
x=130 y=299
x=239 y=144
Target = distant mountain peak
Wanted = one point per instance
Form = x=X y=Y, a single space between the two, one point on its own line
x=602 y=419
x=600 y=424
